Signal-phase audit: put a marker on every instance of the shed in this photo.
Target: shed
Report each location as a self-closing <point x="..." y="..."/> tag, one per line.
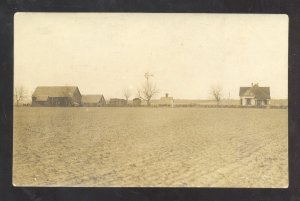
<point x="136" y="102"/>
<point x="93" y="100"/>
<point x="166" y="101"/>
<point x="117" y="102"/>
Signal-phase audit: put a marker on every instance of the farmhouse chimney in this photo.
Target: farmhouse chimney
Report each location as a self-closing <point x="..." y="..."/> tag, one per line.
<point x="167" y="95"/>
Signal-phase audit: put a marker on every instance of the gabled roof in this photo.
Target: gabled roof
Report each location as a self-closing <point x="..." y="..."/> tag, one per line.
<point x="91" y="98"/>
<point x="256" y="92"/>
<point x="55" y="91"/>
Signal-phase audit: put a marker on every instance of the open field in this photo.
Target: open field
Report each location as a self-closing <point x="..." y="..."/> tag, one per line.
<point x="220" y="147"/>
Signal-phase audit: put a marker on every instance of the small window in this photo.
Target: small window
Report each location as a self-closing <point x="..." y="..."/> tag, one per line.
<point x="248" y="101"/>
<point x="259" y="102"/>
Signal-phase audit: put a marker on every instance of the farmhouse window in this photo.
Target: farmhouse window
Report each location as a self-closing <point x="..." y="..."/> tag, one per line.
<point x="259" y="102"/>
<point x="248" y="101"/>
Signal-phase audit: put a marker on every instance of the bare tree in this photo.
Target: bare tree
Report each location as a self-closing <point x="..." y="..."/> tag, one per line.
<point x="148" y="89"/>
<point x="20" y="94"/>
<point x="216" y="92"/>
<point x="126" y="94"/>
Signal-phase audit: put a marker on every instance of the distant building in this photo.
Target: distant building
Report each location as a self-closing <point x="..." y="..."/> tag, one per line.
<point x="93" y="100"/>
<point x="254" y="96"/>
<point x="136" y="102"/>
<point x="117" y="102"/>
<point x="166" y="101"/>
<point x="56" y="96"/>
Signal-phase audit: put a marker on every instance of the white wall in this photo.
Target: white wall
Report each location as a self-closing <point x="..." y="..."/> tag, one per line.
<point x="244" y="101"/>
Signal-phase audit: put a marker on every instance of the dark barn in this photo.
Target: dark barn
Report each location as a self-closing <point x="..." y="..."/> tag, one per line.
<point x="93" y="100"/>
<point x="56" y="96"/>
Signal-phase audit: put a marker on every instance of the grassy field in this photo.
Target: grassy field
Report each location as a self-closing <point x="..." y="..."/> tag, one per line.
<point x="205" y="147"/>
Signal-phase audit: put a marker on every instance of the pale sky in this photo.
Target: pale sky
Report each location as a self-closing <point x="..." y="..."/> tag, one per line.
<point x="103" y="53"/>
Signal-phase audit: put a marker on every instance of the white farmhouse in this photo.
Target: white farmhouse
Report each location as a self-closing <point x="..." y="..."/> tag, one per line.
<point x="166" y="101"/>
<point x="255" y="95"/>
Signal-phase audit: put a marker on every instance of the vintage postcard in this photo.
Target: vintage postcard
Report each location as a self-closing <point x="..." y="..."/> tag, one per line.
<point x="150" y="100"/>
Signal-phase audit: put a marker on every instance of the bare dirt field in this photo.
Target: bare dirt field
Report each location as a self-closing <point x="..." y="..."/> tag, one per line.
<point x="176" y="147"/>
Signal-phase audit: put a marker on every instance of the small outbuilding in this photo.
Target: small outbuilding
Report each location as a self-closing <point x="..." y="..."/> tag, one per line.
<point x="117" y="102"/>
<point x="136" y="102"/>
<point x="255" y="96"/>
<point x="56" y="96"/>
<point x="166" y="101"/>
<point x="93" y="100"/>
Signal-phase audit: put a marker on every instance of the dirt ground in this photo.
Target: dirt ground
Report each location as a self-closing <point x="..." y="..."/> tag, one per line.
<point x="175" y="147"/>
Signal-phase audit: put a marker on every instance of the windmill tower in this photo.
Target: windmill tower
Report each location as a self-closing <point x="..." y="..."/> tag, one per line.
<point x="148" y="75"/>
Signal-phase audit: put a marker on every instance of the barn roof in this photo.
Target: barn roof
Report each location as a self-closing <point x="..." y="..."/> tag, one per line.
<point x="256" y="92"/>
<point x="42" y="98"/>
<point x="55" y="91"/>
<point x="91" y="98"/>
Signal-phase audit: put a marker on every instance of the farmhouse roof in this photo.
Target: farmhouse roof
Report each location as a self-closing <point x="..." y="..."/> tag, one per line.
<point x="91" y="98"/>
<point x="54" y="91"/>
<point x="255" y="91"/>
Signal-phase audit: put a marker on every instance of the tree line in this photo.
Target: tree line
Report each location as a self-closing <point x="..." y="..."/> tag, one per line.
<point x="146" y="92"/>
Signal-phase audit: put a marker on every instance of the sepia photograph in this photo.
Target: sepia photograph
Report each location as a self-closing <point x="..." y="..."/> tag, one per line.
<point x="150" y="100"/>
